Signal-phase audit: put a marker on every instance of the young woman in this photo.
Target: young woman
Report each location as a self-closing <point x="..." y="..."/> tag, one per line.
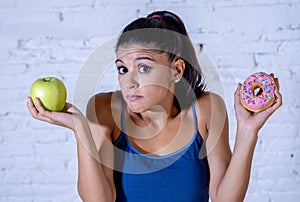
<point x="163" y="136"/>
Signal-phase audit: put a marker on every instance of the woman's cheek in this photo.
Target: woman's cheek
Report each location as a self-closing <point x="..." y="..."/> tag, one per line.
<point x="160" y="79"/>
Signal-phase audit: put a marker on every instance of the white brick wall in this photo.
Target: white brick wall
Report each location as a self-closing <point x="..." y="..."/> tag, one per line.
<point x="42" y="38"/>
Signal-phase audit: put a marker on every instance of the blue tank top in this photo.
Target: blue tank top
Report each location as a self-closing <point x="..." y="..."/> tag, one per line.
<point x="180" y="176"/>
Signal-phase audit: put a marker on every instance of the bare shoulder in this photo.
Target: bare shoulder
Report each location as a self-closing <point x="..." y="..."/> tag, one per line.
<point x="209" y="103"/>
<point x="210" y="99"/>
<point x="211" y="111"/>
<point x="98" y="104"/>
<point x="102" y="108"/>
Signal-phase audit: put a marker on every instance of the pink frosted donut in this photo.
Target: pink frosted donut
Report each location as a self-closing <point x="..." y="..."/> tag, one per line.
<point x="257" y="92"/>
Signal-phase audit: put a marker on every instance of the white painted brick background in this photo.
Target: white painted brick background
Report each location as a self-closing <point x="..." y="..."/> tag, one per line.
<point x="52" y="37"/>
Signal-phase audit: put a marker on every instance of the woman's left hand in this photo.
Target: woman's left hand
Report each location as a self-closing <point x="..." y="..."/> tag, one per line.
<point x="250" y="121"/>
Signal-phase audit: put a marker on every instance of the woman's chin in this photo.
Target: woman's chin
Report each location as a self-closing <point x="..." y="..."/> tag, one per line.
<point x="136" y="108"/>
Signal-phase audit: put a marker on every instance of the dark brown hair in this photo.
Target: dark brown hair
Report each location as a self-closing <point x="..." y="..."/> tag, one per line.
<point x="166" y="32"/>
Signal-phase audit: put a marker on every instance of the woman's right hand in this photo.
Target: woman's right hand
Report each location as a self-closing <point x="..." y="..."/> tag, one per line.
<point x="66" y="118"/>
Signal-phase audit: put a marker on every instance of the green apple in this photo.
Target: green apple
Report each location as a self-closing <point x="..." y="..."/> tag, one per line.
<point x="51" y="91"/>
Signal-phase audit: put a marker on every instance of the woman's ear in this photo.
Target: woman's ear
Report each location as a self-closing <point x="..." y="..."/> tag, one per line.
<point x="178" y="66"/>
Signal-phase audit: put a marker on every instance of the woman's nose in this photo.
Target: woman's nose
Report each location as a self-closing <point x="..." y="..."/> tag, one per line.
<point x="132" y="81"/>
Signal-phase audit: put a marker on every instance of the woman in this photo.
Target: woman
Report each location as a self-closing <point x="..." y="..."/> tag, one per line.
<point x="163" y="136"/>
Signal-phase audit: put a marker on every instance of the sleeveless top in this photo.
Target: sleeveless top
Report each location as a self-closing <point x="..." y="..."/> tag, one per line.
<point x="180" y="176"/>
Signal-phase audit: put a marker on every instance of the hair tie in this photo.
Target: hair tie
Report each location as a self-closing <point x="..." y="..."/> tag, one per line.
<point x="159" y="17"/>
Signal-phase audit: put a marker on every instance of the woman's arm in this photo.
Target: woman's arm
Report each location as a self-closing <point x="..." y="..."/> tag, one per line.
<point x="99" y="118"/>
<point x="93" y="181"/>
<point x="230" y="173"/>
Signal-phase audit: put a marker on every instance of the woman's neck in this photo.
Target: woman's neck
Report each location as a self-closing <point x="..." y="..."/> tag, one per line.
<point x="154" y="119"/>
<point x="159" y="113"/>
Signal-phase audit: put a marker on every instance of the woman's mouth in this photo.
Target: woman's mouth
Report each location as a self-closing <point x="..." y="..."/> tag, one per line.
<point x="133" y="98"/>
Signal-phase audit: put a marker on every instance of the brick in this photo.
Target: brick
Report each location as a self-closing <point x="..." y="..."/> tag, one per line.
<point x="10" y="150"/>
<point x="261" y="197"/>
<point x="285" y="196"/>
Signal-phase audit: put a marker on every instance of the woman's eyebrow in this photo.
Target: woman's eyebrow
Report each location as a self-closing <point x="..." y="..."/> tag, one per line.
<point x="118" y="60"/>
<point x="136" y="59"/>
<point x="144" y="58"/>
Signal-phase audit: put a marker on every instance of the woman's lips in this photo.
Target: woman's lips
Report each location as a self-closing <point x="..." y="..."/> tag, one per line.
<point x="133" y="98"/>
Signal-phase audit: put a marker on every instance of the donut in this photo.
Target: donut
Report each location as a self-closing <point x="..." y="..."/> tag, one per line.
<point x="258" y="92"/>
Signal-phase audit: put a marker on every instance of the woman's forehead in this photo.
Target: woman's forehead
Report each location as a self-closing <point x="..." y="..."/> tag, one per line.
<point x="135" y="50"/>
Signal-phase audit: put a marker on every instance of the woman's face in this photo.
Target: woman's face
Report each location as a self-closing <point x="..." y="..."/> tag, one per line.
<point x="146" y="77"/>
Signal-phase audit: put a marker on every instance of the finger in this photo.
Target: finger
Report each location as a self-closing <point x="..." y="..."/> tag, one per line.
<point x="275" y="80"/>
<point x="34" y="112"/>
<point x="278" y="100"/>
<point x="277" y="103"/>
<point x="40" y="107"/>
<point x="44" y="114"/>
<point x="237" y="91"/>
<point x="237" y="94"/>
<point x="69" y="108"/>
<point x="31" y="107"/>
<point x="276" y="83"/>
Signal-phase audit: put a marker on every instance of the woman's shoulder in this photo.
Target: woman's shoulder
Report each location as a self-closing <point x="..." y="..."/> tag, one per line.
<point x="99" y="101"/>
<point x="209" y="105"/>
<point x="210" y="99"/>
<point x="210" y="111"/>
<point x="103" y="106"/>
<point x="104" y="100"/>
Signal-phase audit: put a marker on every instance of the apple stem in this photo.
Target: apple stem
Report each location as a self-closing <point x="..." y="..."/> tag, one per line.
<point x="47" y="79"/>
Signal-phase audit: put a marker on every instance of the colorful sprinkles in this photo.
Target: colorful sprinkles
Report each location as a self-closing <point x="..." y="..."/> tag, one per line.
<point x="255" y="102"/>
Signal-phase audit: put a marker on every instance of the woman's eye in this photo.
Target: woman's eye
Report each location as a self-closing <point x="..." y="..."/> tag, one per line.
<point x="122" y="70"/>
<point x="144" y="68"/>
